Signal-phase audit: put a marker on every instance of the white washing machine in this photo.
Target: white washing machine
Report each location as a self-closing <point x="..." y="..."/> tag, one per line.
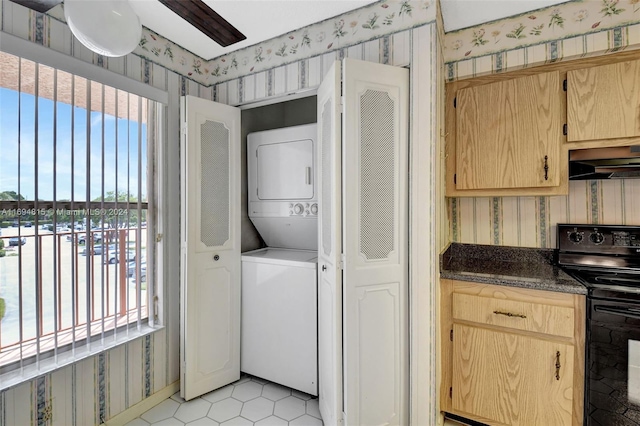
<point x="279" y="317"/>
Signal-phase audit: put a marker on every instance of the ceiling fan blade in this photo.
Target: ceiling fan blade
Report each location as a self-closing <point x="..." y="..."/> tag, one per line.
<point x="38" y="5"/>
<point x="201" y="16"/>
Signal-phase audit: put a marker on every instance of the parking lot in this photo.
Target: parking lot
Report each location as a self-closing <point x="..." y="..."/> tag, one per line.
<point x="63" y="266"/>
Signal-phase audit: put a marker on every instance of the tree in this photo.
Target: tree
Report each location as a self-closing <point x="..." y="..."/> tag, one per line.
<point x="11" y="196"/>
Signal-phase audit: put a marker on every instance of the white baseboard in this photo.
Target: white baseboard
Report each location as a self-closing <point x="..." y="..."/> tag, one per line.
<point x="141" y="407"/>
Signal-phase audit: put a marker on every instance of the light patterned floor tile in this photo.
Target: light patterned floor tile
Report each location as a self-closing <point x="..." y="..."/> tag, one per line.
<point x="247" y="391"/>
<point x="290" y="408"/>
<point x="205" y="421"/>
<point x="241" y="404"/>
<point x="306" y="420"/>
<point x="301" y="395"/>
<point x="171" y="421"/>
<point x="237" y="421"/>
<point x="313" y="409"/>
<point x="219" y="394"/>
<point x="192" y="410"/>
<point x="225" y="410"/>
<point x="257" y="409"/>
<point x="275" y="392"/>
<point x="272" y="421"/>
<point x="137" y="422"/>
<point x="164" y="410"/>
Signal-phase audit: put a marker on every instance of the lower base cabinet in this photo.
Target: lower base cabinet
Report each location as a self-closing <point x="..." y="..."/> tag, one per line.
<point x="513" y="356"/>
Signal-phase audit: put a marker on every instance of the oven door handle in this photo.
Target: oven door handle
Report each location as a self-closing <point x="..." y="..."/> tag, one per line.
<point x="624" y="312"/>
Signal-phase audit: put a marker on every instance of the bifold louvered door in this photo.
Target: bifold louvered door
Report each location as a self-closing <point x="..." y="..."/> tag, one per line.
<point x="210" y="252"/>
<point x="373" y="226"/>
<point x="330" y="248"/>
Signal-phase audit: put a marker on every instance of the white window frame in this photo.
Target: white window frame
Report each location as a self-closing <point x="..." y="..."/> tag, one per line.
<point x="38" y="365"/>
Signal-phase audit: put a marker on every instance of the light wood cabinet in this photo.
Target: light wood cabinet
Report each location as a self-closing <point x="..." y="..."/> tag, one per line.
<point x="499" y="127"/>
<point x="509" y="133"/>
<point x="512" y="356"/>
<point x="603" y="102"/>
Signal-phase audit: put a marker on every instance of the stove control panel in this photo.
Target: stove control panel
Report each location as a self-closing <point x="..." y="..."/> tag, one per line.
<point x="599" y="239"/>
<point x="626" y="239"/>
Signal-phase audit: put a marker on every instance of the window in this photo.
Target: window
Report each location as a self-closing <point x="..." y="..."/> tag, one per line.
<point x="75" y="202"/>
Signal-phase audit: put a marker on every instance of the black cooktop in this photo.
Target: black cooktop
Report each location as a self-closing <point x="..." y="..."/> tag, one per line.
<point x="604" y="258"/>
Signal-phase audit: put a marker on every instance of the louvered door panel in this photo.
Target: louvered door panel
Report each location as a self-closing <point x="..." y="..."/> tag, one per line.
<point x="375" y="243"/>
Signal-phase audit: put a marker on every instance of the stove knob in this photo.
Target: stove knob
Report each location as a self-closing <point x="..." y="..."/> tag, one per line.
<point x="596" y="237"/>
<point x="576" y="237"/>
<point x="298" y="209"/>
<point x="314" y="208"/>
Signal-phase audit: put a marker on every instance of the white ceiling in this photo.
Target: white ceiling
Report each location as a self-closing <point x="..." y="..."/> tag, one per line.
<point x="261" y="20"/>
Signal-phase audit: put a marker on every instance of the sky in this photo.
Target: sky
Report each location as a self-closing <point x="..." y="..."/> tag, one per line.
<point x="18" y="151"/>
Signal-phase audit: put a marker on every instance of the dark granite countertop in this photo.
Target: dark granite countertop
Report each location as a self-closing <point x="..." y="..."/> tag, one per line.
<point x="510" y="266"/>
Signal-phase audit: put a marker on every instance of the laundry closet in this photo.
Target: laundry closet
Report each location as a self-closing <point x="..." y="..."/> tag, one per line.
<point x="279" y="320"/>
<point x="316" y="218"/>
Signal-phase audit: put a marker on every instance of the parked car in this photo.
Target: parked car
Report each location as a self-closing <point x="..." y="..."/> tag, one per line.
<point x="131" y="270"/>
<point x="113" y="256"/>
<point x="17" y="241"/>
<point x="82" y="239"/>
<point x="27" y="224"/>
<point x="98" y="249"/>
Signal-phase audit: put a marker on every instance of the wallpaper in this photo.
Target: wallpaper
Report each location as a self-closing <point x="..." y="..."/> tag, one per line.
<point x="352" y="28"/>
<point x="559" y="22"/>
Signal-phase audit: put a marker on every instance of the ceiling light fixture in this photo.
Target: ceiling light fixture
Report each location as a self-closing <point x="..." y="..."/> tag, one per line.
<point x="107" y="27"/>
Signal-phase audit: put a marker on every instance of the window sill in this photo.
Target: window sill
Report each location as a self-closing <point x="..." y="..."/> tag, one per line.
<point x="63" y="359"/>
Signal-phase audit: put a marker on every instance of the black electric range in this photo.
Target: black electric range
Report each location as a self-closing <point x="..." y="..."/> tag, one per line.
<point x="606" y="259"/>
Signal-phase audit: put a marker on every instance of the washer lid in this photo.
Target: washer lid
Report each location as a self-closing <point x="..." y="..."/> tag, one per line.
<point x="278" y="256"/>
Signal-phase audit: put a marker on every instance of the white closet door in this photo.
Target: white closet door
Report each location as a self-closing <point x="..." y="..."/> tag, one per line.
<point x="210" y="252"/>
<point x="375" y="243"/>
<point x="330" y="249"/>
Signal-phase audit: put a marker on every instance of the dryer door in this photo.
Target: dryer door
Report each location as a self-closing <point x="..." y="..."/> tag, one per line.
<point x="285" y="170"/>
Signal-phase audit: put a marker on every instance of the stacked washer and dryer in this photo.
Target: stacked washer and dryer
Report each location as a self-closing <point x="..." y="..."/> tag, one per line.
<point x="279" y="283"/>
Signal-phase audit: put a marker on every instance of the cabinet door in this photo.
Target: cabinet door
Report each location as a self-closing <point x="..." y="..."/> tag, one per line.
<point x="604" y="102"/>
<point x="511" y="378"/>
<point x="508" y="131"/>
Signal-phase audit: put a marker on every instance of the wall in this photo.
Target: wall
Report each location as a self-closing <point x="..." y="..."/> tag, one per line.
<point x="531" y="221"/>
<point x="102" y="386"/>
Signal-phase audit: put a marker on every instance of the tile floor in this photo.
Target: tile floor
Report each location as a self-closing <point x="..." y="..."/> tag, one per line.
<point x="249" y="401"/>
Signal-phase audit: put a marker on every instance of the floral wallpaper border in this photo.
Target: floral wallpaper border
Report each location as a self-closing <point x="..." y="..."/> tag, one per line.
<point x="360" y="25"/>
<point x="577" y="17"/>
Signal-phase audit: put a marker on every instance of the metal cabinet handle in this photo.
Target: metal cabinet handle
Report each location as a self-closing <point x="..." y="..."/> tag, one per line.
<point x="324" y="268"/>
<point x="546" y="167"/>
<point x="509" y="314"/>
<point x="558" y="365"/>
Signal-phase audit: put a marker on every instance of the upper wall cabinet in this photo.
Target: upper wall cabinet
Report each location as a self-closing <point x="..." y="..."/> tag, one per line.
<point x="508" y="135"/>
<point x="603" y="102"/>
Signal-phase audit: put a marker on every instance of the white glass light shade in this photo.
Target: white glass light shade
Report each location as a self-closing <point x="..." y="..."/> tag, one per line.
<point x="107" y="27"/>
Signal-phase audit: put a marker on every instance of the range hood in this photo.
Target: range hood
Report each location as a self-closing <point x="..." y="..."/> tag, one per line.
<point x="605" y="163"/>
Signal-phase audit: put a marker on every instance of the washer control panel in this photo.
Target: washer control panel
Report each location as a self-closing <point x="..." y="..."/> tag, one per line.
<point x="303" y="209"/>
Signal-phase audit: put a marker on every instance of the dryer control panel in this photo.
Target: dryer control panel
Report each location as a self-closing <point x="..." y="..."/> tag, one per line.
<point x="303" y="209"/>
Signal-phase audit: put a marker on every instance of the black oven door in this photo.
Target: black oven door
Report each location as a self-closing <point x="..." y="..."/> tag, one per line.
<point x="613" y="363"/>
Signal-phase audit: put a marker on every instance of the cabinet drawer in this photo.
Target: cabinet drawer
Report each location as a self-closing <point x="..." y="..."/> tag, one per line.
<point x="528" y="316"/>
